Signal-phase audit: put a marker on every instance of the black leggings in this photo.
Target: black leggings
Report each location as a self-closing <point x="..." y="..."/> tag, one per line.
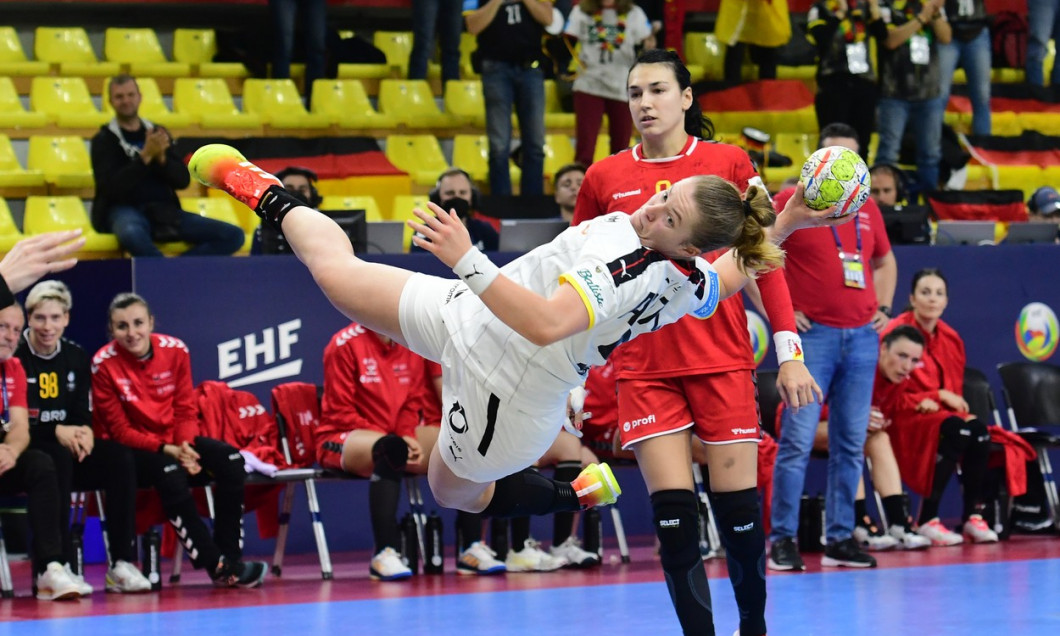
<point x="109" y="468"/>
<point x="223" y="465"/>
<point x="34" y="474"/>
<point x="967" y="444"/>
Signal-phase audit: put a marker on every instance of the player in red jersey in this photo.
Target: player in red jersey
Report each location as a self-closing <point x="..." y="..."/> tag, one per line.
<point x="694" y="374"/>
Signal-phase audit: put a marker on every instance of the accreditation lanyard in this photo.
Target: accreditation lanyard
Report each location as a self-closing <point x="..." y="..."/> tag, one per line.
<point x="853" y="267"/>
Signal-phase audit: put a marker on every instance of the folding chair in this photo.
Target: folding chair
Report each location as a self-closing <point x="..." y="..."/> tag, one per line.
<point x="1032" y="395"/>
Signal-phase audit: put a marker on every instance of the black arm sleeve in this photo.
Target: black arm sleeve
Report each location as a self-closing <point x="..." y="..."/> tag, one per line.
<point x="6" y="297"/>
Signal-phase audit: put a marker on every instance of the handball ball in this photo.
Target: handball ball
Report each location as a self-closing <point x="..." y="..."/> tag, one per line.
<point x="835" y="176"/>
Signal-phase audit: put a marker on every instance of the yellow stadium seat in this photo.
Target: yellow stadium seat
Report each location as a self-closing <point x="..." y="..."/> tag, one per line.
<point x="9" y="234"/>
<point x="13" y="59"/>
<point x="468" y="44"/>
<point x="704" y="51"/>
<point x="464" y="102"/>
<point x="70" y="50"/>
<point x="402" y="211"/>
<point x="554" y="115"/>
<point x="12" y="175"/>
<point x="418" y="155"/>
<point x="345" y="102"/>
<point x="12" y="114"/>
<point x="471" y="154"/>
<point x="207" y="101"/>
<point x="152" y="105"/>
<point x="65" y="101"/>
<point x="197" y="47"/>
<point x="139" y="52"/>
<point x="411" y="103"/>
<point x="397" y="46"/>
<point x="50" y="214"/>
<point x="278" y="104"/>
<point x="366" y="203"/>
<point x="559" y="151"/>
<point x="63" y="160"/>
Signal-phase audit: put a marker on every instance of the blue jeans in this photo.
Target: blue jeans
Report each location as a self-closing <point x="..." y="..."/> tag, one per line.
<point x="314" y="28"/>
<point x="209" y="237"/>
<point x="843" y="361"/>
<point x="925" y="116"/>
<point x="505" y="85"/>
<point x="447" y="16"/>
<point x="974" y="58"/>
<point x="1043" y="18"/>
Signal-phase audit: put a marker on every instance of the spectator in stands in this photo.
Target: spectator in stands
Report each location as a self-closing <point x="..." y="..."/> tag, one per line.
<point x="1043" y="22"/>
<point x="761" y="24"/>
<point x="454" y="190"/>
<point x="371" y="425"/>
<point x="61" y="426"/>
<point x="969" y="49"/>
<point x="1044" y="205"/>
<point x="509" y="57"/>
<point x="138" y="172"/>
<point x="910" y="85"/>
<point x="846" y="77"/>
<point x="565" y="185"/>
<point x="427" y="16"/>
<point x="142" y="398"/>
<point x="840" y="305"/>
<point x="932" y="429"/>
<point x="30" y="471"/>
<point x="887" y="184"/>
<point x="609" y="32"/>
<point x="314" y="22"/>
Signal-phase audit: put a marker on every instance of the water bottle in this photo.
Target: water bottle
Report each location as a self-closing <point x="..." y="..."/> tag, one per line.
<point x="78" y="566"/>
<point x="150" y="563"/>
<point x="433" y="545"/>
<point x="410" y="545"/>
<point x="592" y="532"/>
<point x="499" y="537"/>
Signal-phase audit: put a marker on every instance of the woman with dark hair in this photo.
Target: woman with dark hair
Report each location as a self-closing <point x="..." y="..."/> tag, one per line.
<point x="142" y="398"/>
<point x="932" y="431"/>
<point x="667" y="392"/>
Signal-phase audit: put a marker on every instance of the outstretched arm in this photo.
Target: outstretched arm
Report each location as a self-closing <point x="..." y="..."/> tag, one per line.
<point x="36" y="256"/>
<point x="540" y="320"/>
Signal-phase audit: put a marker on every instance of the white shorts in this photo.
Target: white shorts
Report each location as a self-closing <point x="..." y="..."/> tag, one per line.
<point x="482" y="437"/>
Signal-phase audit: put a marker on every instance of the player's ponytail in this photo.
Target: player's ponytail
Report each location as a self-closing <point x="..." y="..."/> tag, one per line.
<point x="727" y="220"/>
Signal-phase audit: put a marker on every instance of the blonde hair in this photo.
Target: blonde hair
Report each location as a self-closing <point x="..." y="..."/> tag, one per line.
<point x="49" y="290"/>
<point x="729" y="220"/>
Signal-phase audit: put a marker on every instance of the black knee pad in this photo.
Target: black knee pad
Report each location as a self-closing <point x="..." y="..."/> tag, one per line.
<point x="676" y="514"/>
<point x="390" y="454"/>
<point x="738" y="512"/>
<point x="954" y="437"/>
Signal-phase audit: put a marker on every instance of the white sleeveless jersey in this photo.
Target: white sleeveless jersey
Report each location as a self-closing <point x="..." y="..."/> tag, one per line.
<point x="627" y="289"/>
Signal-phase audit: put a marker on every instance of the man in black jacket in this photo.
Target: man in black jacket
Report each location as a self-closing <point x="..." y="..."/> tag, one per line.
<point x="137" y="175"/>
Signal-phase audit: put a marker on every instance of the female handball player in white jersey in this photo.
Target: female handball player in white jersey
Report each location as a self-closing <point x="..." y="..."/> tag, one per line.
<point x="513" y="343"/>
<point x="706" y="386"/>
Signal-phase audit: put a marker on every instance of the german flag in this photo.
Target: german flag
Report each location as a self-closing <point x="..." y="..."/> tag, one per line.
<point x="329" y="157"/>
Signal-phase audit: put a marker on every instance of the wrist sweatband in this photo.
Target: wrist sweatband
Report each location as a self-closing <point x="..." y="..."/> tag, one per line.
<point x="789" y="346"/>
<point x="476" y="270"/>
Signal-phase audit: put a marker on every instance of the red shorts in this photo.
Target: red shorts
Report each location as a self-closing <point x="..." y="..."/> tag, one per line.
<point x="600" y="439"/>
<point x="329" y="450"/>
<point x="721" y="407"/>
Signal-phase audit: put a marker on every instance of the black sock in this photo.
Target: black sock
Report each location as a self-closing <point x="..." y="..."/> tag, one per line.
<point x="468" y="529"/>
<point x="530" y="493"/>
<point x="383" y="495"/>
<point x="897" y="515"/>
<point x="739" y="518"/>
<point x="520" y="532"/>
<point x="930" y="507"/>
<point x="563" y="522"/>
<point x="974" y="468"/>
<point x="274" y="204"/>
<point x="676" y="514"/>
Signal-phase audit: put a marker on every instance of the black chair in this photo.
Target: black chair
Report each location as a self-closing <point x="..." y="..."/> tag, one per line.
<point x="980" y="397"/>
<point x="1032" y="395"/>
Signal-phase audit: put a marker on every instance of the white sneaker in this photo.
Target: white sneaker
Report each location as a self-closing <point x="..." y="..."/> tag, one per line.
<point x="83" y="587"/>
<point x="576" y="557"/>
<point x="978" y="531"/>
<point x="479" y="559"/>
<point x="55" y="584"/>
<point x="875" y="542"/>
<point x="388" y="566"/>
<point x="124" y="577"/>
<point x="533" y="559"/>
<point x="939" y="534"/>
<point x="908" y="540"/>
